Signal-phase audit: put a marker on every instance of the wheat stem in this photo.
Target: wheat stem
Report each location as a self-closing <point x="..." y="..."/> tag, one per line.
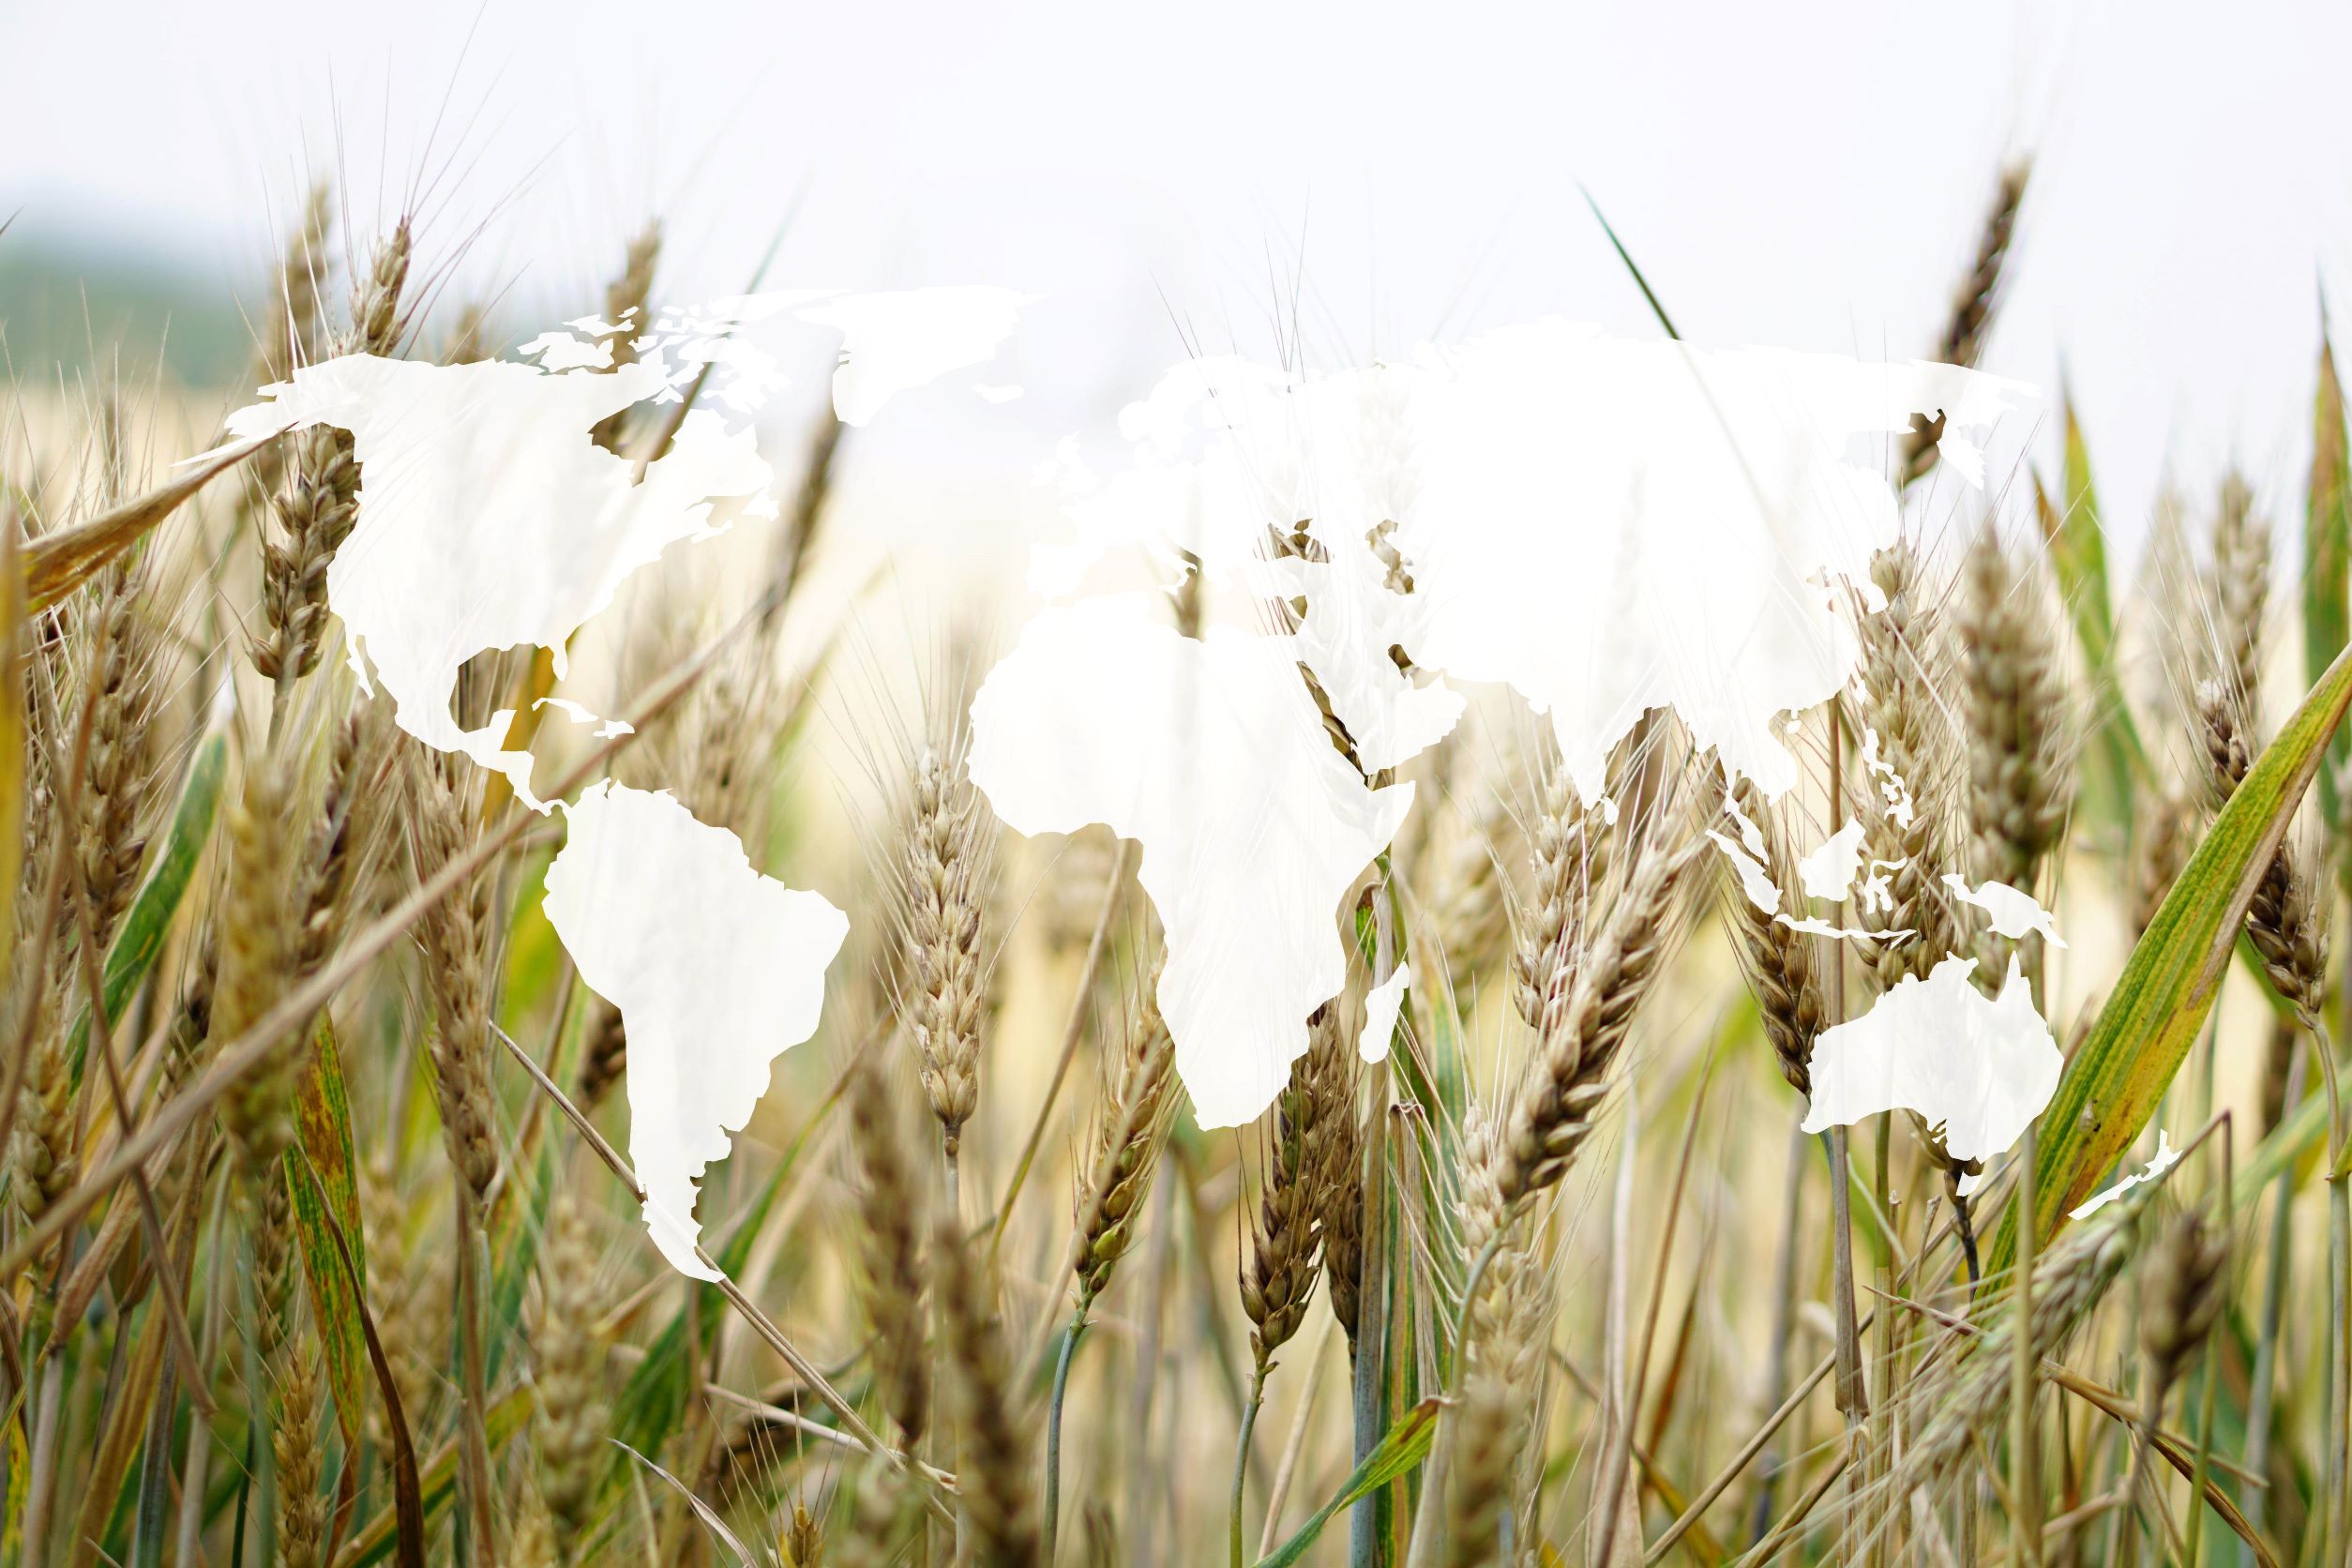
<point x="2025" y="1464"/>
<point x="807" y="1370"/>
<point x="1294" y="1447"/>
<point x="1053" y="1433"/>
<point x="1783" y="1319"/>
<point x="1367" y="1345"/>
<point x="473" y="1307"/>
<point x="2278" y="1276"/>
<point x="41" y="1486"/>
<point x="1241" y="1466"/>
<point x="2336" y="1510"/>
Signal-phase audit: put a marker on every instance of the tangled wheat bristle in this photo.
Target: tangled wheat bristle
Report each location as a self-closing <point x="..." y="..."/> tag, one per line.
<point x="1964" y="1396"/>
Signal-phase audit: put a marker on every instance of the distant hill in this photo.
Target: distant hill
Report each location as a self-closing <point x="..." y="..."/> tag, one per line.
<point x="60" y="298"/>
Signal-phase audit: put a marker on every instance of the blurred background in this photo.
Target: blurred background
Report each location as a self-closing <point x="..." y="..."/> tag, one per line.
<point x="1328" y="183"/>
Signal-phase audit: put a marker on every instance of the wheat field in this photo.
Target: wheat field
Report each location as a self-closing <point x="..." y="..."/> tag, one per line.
<point x="320" y="1246"/>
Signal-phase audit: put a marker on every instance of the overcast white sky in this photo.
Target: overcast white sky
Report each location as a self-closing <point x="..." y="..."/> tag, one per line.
<point x="1809" y="177"/>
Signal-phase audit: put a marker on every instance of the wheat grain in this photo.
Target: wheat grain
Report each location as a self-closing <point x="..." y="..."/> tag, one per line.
<point x="1579" y="1048"/>
<point x="567" y="1374"/>
<point x="1974" y="304"/>
<point x="943" y="883"/>
<point x="624" y="301"/>
<point x="1782" y="967"/>
<point x="1131" y="1126"/>
<point x="2018" y="778"/>
<point x="1903" y="658"/>
<point x="456" y="935"/>
<point x="319" y="502"/>
<point x="257" y="953"/>
<point x="997" y="1506"/>
<point x="1501" y="1355"/>
<point x="893" y="1208"/>
<point x="294" y="1448"/>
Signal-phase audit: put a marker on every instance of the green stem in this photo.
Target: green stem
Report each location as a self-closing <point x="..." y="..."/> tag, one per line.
<point x="42" y="1485"/>
<point x="155" y="1464"/>
<point x="2025" y="1467"/>
<point x="953" y="1178"/>
<point x="473" y="1436"/>
<point x="1369" y="1401"/>
<point x="1784" y="1329"/>
<point x="1241" y="1466"/>
<point x="1851" y="1401"/>
<point x="1053" y="1430"/>
<point x="199" y="1438"/>
<point x="1850" y="1397"/>
<point x="2209" y="1373"/>
<point x="1369" y="1388"/>
<point x="2336" y="1507"/>
<point x="2278" y="1275"/>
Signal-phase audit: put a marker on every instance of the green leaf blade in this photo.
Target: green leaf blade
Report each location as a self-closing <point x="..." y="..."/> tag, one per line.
<point x="2072" y="532"/>
<point x="322" y="1116"/>
<point x="2327" y="551"/>
<point x="2113" y="1082"/>
<point x="1406" y="1445"/>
